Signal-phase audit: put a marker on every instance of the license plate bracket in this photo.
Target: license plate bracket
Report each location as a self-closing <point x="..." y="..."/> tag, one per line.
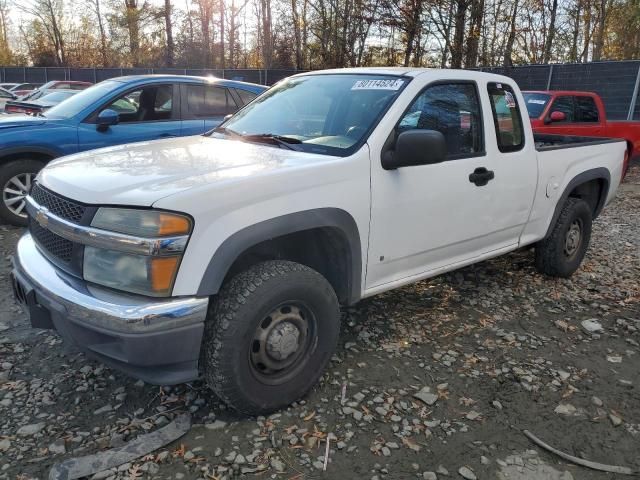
<point x="25" y="295"/>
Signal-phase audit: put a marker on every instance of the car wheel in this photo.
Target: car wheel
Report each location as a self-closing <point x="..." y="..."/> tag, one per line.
<point x="16" y="178"/>
<point x="562" y="252"/>
<point x="269" y="336"/>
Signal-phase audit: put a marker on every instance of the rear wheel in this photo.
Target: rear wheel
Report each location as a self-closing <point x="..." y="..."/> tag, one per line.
<point x="269" y="336"/>
<point x="16" y="178"/>
<point x="562" y="252"/>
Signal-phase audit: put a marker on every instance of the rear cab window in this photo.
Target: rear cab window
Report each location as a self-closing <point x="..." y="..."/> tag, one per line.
<point x="506" y="117"/>
<point x="586" y="110"/>
<point x="208" y="101"/>
<point x="245" y="95"/>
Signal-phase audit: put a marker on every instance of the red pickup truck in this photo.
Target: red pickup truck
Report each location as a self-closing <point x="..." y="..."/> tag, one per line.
<point x="581" y="114"/>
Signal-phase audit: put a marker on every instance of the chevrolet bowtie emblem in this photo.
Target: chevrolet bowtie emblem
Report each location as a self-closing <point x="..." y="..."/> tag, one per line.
<point x="42" y="217"/>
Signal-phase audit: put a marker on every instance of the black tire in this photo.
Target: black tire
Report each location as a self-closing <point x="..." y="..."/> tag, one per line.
<point x="9" y="171"/>
<point x="251" y="313"/>
<point x="559" y="255"/>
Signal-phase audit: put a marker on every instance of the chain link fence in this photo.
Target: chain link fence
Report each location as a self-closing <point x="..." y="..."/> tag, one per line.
<point x="616" y="82"/>
<point x="46" y="74"/>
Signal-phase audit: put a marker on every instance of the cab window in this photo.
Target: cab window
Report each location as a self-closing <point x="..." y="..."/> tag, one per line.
<point x="565" y="105"/>
<point x="245" y="95"/>
<point x="506" y="117"/>
<point x="148" y="104"/>
<point x="208" y="101"/>
<point x="452" y="109"/>
<point x="586" y="110"/>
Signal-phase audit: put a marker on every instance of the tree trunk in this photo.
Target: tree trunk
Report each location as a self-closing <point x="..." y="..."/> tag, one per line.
<point x="473" y="40"/>
<point x="552" y="33"/>
<point x="134" y="30"/>
<point x="573" y="53"/>
<point x="296" y="33"/>
<point x="587" y="32"/>
<point x="508" y="62"/>
<point x="598" y="44"/>
<point x="168" y="26"/>
<point x="222" y="54"/>
<point x="267" y="34"/>
<point x="458" y="38"/>
<point x="104" y="53"/>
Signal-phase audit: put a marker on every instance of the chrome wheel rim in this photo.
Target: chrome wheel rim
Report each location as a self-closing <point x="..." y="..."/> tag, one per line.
<point x="281" y="343"/>
<point x="15" y="191"/>
<point x="573" y="239"/>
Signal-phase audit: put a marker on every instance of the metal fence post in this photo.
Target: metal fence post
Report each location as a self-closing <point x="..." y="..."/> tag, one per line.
<point x="549" y="78"/>
<point x="634" y="96"/>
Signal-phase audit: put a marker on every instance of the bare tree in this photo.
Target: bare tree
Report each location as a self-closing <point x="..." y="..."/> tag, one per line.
<point x="458" y="38"/>
<point x="551" y="33"/>
<point x="51" y="14"/>
<point x="169" y="32"/>
<point x="508" y="50"/>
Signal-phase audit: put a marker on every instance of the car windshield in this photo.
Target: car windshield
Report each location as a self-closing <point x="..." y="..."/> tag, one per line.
<point x="74" y="105"/>
<point x="327" y="113"/>
<point x="535" y="103"/>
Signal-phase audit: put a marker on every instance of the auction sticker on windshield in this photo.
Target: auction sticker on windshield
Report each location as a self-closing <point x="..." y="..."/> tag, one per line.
<point x="386" y="84"/>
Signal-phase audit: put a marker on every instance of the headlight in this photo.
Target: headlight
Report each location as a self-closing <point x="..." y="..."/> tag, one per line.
<point x="141" y="223"/>
<point x="147" y="274"/>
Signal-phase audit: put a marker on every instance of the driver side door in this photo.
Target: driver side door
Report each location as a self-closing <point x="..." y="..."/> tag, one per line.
<point x="428" y="218"/>
<point x="148" y="112"/>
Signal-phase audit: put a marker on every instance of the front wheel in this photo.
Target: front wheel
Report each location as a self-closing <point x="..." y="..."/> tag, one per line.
<point x="16" y="178"/>
<point x="561" y="254"/>
<point x="269" y="336"/>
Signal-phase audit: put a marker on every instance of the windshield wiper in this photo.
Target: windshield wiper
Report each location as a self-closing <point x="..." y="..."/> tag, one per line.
<point x="279" y="140"/>
<point x="225" y="131"/>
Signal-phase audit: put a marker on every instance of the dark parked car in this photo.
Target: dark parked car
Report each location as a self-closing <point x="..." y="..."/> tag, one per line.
<point x="50" y="98"/>
<point x="113" y="112"/>
<point x="55" y="85"/>
<point x="24" y="88"/>
<point x="5" y="96"/>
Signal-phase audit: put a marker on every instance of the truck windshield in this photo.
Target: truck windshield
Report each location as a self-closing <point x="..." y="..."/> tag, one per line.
<point x="74" y="105"/>
<point x="329" y="113"/>
<point x="535" y="103"/>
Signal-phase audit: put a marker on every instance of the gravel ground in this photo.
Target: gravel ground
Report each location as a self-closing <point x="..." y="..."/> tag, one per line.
<point x="435" y="380"/>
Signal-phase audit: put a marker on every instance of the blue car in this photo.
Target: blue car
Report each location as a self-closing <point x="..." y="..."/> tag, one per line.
<point x="120" y="110"/>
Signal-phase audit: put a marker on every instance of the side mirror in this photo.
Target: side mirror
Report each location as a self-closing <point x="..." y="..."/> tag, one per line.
<point x="227" y="117"/>
<point x="416" y="147"/>
<point x="106" y="118"/>
<point x="557" y="116"/>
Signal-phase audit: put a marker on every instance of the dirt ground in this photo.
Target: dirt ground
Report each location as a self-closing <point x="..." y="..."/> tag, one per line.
<point x="490" y="350"/>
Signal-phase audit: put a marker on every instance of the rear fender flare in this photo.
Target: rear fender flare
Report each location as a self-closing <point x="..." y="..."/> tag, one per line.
<point x="600" y="173"/>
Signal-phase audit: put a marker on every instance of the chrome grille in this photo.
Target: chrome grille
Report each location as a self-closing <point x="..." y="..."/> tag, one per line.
<point x="57" y="246"/>
<point x="57" y="205"/>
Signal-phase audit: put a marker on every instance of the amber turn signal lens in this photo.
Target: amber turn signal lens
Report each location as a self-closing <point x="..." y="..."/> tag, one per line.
<point x="163" y="271"/>
<point x="173" y="225"/>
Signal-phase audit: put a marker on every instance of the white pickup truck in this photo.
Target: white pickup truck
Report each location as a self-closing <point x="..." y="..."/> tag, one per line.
<point x="227" y="256"/>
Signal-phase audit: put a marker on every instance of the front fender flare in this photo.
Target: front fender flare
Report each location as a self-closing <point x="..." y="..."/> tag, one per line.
<point x="239" y="242"/>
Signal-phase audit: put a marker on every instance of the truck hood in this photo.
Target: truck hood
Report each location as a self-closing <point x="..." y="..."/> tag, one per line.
<point x="140" y="174"/>
<point x="11" y="121"/>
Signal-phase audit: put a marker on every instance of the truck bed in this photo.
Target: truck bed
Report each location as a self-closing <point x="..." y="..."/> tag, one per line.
<point x="545" y="142"/>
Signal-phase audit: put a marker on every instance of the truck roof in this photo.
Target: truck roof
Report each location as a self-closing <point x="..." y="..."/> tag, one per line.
<point x="410" y="71"/>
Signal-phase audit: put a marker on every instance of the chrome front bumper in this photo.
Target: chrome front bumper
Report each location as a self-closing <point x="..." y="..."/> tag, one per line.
<point x="157" y="340"/>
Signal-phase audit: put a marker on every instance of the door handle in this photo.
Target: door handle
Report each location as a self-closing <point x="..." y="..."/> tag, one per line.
<point x="481" y="176"/>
